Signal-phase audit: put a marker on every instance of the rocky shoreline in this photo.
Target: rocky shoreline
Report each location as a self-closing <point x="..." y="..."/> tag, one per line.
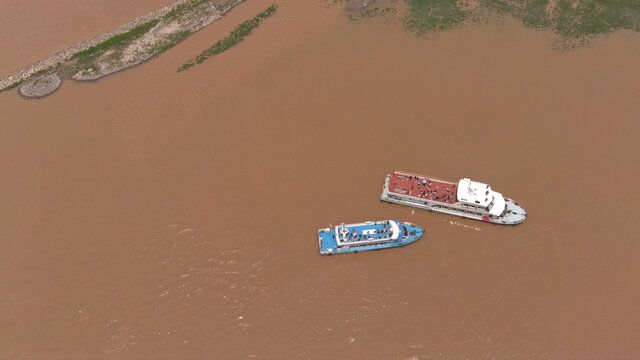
<point x="171" y="24"/>
<point x="65" y="55"/>
<point x="41" y="87"/>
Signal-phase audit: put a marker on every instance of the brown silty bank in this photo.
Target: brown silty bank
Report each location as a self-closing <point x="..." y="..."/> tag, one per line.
<point x="161" y="215"/>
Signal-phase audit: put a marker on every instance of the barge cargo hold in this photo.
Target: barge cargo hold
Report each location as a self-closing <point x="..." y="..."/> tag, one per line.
<point x="368" y="235"/>
<point x="466" y="198"/>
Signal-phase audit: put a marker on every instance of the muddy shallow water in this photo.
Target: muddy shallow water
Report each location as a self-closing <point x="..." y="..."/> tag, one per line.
<point x="161" y="215"/>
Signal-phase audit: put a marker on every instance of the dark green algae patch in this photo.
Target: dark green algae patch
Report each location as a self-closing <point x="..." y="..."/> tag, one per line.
<point x="574" y="21"/>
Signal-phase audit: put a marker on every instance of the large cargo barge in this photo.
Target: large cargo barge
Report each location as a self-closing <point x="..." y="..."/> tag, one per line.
<point x="370" y="235"/>
<point x="466" y="198"/>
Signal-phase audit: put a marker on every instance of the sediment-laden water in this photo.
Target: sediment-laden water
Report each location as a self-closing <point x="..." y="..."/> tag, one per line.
<point x="153" y="214"/>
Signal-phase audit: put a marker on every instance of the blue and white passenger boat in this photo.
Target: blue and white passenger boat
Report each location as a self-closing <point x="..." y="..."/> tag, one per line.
<point x="368" y="235"/>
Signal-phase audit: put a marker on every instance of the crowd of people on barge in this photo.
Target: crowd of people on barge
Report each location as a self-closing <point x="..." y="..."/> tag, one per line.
<point x="425" y="190"/>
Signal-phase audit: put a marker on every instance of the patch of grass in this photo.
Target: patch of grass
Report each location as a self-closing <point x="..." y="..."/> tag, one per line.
<point x="234" y="3"/>
<point x="172" y="40"/>
<point x="42" y="72"/>
<point x="330" y="3"/>
<point x="573" y="20"/>
<point x="531" y="12"/>
<point x="370" y="13"/>
<point x="183" y="8"/>
<point x="87" y="56"/>
<point x="424" y="16"/>
<point x="592" y="17"/>
<point x="14" y="85"/>
<point x="49" y="70"/>
<point x="236" y="36"/>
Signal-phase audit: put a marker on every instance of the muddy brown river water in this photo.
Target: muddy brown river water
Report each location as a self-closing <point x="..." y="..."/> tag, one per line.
<point x="161" y="215"/>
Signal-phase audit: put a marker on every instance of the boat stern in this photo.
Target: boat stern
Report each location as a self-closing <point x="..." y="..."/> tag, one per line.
<point x="384" y="195"/>
<point x="327" y="241"/>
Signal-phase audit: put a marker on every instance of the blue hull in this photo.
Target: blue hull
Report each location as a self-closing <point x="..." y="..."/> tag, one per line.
<point x="367" y="236"/>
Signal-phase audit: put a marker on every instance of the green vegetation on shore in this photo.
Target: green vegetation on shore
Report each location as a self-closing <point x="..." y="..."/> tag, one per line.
<point x="183" y="8"/>
<point x="13" y="85"/>
<point x="49" y="70"/>
<point x="433" y="15"/>
<point x="117" y="42"/>
<point x="139" y="44"/>
<point x="369" y="13"/>
<point x="236" y="36"/>
<point x="191" y="5"/>
<point x="233" y="4"/>
<point x="574" y="21"/>
<point x="169" y="42"/>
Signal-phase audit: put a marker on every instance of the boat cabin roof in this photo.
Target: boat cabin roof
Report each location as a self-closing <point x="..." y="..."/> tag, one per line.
<point x="367" y="233"/>
<point x="473" y="192"/>
<point x="477" y="193"/>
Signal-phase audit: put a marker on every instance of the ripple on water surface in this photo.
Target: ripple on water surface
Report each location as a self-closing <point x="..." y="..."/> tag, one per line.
<point x="189" y="288"/>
